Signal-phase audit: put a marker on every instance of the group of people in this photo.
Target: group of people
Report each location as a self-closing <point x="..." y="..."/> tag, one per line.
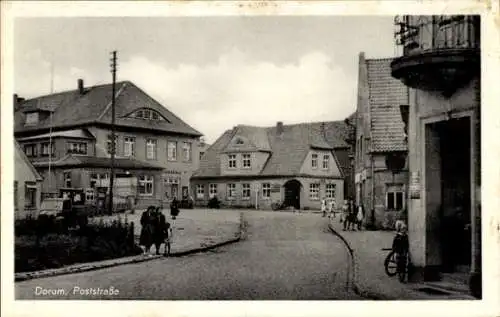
<point x="155" y="230"/>
<point x="351" y="215"/>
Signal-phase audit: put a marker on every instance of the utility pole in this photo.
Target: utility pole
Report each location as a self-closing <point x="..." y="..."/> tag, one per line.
<point x="113" y="148"/>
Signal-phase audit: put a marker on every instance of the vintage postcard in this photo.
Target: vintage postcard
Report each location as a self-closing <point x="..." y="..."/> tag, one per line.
<point x="241" y="158"/>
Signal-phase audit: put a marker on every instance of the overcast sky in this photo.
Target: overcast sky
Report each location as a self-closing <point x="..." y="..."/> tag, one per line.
<point x="213" y="72"/>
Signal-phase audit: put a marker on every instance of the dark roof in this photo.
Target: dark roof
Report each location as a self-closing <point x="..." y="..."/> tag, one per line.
<point x="288" y="150"/>
<point x="386" y="95"/>
<point x="100" y="162"/>
<point x="71" y="108"/>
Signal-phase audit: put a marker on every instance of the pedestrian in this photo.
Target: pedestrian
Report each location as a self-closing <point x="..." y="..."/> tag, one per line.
<point x="147" y="229"/>
<point x="330" y="208"/>
<point x="174" y="208"/>
<point x="360" y="216"/>
<point x="351" y="221"/>
<point x="345" y="214"/>
<point x="323" y="207"/>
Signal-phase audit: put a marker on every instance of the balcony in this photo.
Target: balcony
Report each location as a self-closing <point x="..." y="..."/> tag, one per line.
<point x="440" y="53"/>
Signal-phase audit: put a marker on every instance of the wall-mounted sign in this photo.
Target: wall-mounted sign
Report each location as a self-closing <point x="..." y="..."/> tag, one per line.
<point x="415" y="185"/>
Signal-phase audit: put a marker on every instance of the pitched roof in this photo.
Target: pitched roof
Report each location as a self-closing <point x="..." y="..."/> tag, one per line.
<point x="102" y="162"/>
<point x="287" y="150"/>
<point x="27" y="161"/>
<point x="385" y="96"/>
<point x="77" y="133"/>
<point x="71" y="108"/>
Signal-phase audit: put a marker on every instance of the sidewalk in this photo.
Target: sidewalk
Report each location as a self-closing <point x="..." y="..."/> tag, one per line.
<point x="195" y="230"/>
<point x="370" y="279"/>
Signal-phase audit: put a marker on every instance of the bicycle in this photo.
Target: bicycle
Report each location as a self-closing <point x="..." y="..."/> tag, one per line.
<point x="396" y="263"/>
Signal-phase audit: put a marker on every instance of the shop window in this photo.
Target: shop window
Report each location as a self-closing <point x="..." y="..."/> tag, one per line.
<point x="146" y="185"/>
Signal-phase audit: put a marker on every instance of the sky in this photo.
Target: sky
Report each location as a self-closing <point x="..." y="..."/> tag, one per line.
<point x="212" y="72"/>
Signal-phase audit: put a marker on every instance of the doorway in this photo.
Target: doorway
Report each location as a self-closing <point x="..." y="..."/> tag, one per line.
<point x="448" y="164"/>
<point x="292" y="193"/>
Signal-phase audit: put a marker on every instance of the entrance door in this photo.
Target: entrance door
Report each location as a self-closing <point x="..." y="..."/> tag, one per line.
<point x="455" y="145"/>
<point x="292" y="193"/>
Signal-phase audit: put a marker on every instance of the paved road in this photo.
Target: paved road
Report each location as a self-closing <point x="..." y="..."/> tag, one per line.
<point x="285" y="256"/>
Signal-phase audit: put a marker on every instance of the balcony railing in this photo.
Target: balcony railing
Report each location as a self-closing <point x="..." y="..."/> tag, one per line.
<point x="420" y="34"/>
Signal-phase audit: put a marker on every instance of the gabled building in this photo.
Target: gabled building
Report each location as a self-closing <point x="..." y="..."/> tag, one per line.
<point x="67" y="137"/>
<point x="441" y="64"/>
<point x="381" y="171"/>
<point x="27" y="186"/>
<point x="252" y="166"/>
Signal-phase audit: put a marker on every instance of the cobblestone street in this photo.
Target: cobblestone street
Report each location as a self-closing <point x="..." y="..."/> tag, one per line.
<point x="284" y="256"/>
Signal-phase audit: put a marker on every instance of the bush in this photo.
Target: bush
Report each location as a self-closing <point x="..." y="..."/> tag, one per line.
<point x="214" y="203"/>
<point x="95" y="242"/>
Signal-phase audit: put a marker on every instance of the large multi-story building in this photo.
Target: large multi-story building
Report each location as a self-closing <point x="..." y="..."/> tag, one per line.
<point x="440" y="63"/>
<point x="254" y="166"/>
<point x="381" y="175"/>
<point x="67" y="137"/>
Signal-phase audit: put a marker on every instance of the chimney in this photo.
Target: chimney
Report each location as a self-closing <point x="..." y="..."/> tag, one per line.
<point x="279" y="128"/>
<point x="80" y="86"/>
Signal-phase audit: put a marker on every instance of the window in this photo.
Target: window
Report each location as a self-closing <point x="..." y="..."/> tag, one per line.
<point x="48" y="149"/>
<point x="314" y="160"/>
<point x="232" y="160"/>
<point x="212" y="190"/>
<point x="148" y="114"/>
<point x="31" y="118"/>
<point x="200" y="191"/>
<point x="99" y="180"/>
<point x="31" y="150"/>
<point x="246" y="191"/>
<point x="77" y="148"/>
<point x="186" y="151"/>
<point x="330" y="191"/>
<point x="89" y="195"/>
<point x="67" y="179"/>
<point x="30" y="195"/>
<point x="314" y="191"/>
<point x="15" y="195"/>
<point x="266" y="190"/>
<point x="146" y="183"/>
<point x="326" y="161"/>
<point x="231" y="191"/>
<point x="129" y="146"/>
<point x="172" y="151"/>
<point x="109" y="144"/>
<point x="151" y="149"/>
<point x="395" y="200"/>
<point x="247" y="163"/>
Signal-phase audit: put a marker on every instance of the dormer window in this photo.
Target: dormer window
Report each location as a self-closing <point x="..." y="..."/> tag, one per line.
<point x="32" y="118"/>
<point x="239" y="141"/>
<point x="148" y="114"/>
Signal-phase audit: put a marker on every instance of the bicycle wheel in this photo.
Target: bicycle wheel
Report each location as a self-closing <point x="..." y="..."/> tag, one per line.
<point x="391" y="268"/>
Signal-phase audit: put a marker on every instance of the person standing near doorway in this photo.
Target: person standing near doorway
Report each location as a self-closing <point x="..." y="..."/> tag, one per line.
<point x="323" y="206"/>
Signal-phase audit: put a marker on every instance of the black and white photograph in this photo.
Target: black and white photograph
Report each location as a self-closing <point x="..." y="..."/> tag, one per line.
<point x="236" y="157"/>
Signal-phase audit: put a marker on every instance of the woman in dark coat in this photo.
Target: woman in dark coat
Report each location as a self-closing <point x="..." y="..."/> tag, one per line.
<point x="147" y="230"/>
<point x="160" y="232"/>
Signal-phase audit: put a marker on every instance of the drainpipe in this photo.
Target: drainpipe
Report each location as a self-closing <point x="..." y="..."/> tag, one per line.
<point x="373" y="191"/>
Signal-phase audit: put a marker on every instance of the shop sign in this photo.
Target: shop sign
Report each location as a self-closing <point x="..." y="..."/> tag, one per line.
<point x="415" y="185"/>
